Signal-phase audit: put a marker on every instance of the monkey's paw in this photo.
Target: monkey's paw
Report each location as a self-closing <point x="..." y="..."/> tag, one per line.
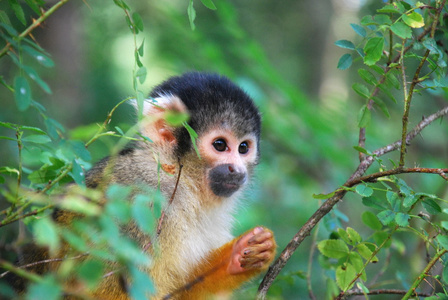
<point x="254" y="250"/>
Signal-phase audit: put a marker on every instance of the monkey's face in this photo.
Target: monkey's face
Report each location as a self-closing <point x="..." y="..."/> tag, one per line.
<point x="228" y="160"/>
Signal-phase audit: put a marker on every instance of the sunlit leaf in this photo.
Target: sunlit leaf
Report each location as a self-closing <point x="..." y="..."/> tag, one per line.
<point x="333" y="248"/>
<point x="373" y="50"/>
<point x="344" y="276"/>
<point x="402" y="30"/>
<point x="414" y="20"/>
<point x="191" y="14"/>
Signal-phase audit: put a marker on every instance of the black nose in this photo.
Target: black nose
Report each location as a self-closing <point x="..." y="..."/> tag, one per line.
<point x="226" y="179"/>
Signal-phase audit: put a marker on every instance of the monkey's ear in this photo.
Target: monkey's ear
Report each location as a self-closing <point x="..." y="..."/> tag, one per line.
<point x="155" y="112"/>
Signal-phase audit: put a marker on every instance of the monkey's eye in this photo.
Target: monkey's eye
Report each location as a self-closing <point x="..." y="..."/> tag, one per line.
<point x="220" y="145"/>
<point x="243" y="148"/>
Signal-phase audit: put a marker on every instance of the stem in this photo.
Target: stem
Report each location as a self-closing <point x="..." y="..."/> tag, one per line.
<point x="374" y="253"/>
<point x="34" y="25"/>
<point x="424" y="273"/>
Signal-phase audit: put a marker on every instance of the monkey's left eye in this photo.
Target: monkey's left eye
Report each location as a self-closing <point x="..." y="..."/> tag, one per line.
<point x="243" y="148"/>
<point x="220" y="145"/>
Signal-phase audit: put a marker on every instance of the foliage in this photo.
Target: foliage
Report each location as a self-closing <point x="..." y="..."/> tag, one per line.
<point x="400" y="53"/>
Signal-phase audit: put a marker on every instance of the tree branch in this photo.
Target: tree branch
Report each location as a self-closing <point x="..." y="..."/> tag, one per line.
<point x="328" y="205"/>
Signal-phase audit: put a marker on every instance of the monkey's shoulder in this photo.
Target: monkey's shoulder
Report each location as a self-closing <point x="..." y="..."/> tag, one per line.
<point x="130" y="166"/>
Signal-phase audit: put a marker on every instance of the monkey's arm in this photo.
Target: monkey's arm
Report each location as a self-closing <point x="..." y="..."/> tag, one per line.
<point x="227" y="267"/>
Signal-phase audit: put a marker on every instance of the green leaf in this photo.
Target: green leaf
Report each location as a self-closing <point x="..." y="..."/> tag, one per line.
<point x="443" y="241"/>
<point x="344" y="276"/>
<point x="367" y="76"/>
<point x="402" y="30"/>
<point x="90" y="272"/>
<point x="47" y="289"/>
<point x="409" y="200"/>
<point x="138" y="22"/>
<point x="323" y="196"/>
<point x="359" y="29"/>
<point x="75" y="240"/>
<point x="364" y="117"/>
<point x="344" y="236"/>
<point x="38" y="139"/>
<point x="333" y="248"/>
<point x="191" y="14"/>
<point x="402" y="219"/>
<point x="371" y="220"/>
<point x="34" y="76"/>
<point x="42" y="58"/>
<point x="176" y="118"/>
<point x="366" y="251"/>
<point x="362" y="150"/>
<point x="431" y="206"/>
<point x="193" y="137"/>
<point x="414" y="20"/>
<point x="394" y="200"/>
<point x="390" y="8"/>
<point x="345" y="62"/>
<point x="356" y="261"/>
<point x="141" y="74"/>
<point x="345" y="44"/>
<point x="31" y="128"/>
<point x="142" y="213"/>
<point x="141" y="48"/>
<point x="373" y="50"/>
<point x="364" y="190"/>
<point x="22" y="93"/>
<point x="46" y="234"/>
<point x="382" y="106"/>
<point x="18" y="11"/>
<point x="209" y="4"/>
<point x="361" y="90"/>
<point x="380" y="236"/>
<point x="373" y="202"/>
<point x="353" y="235"/>
<point x="141" y="284"/>
<point x="386" y="217"/>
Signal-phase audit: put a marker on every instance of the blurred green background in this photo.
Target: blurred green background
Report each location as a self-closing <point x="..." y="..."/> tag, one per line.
<point x="283" y="54"/>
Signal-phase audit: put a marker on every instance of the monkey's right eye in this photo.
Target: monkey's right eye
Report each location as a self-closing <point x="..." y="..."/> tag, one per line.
<point x="220" y="145"/>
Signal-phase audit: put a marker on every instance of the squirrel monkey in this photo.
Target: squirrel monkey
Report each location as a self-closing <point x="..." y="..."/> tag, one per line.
<point x="195" y="255"/>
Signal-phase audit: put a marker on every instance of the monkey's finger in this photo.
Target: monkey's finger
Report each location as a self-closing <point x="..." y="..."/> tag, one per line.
<point x="260" y="237"/>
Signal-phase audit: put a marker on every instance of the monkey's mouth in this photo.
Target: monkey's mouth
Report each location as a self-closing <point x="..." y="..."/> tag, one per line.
<point x="224" y="189"/>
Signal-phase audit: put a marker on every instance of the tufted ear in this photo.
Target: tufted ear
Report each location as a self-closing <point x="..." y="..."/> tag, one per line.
<point x="155" y="112"/>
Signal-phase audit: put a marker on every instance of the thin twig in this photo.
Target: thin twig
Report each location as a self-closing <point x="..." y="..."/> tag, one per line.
<point x="162" y="215"/>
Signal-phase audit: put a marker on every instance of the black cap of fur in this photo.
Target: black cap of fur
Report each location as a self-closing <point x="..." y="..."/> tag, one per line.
<point x="212" y="101"/>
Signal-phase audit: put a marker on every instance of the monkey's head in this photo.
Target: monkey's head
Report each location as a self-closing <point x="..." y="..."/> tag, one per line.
<point x="224" y="117"/>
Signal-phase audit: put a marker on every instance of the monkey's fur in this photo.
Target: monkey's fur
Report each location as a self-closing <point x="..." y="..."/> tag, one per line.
<point x="195" y="255"/>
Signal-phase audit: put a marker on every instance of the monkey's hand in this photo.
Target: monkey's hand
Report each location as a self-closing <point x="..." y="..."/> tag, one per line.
<point x="254" y="250"/>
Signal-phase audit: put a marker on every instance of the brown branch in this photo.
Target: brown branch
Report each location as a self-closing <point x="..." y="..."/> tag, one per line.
<point x="328" y="205"/>
<point x="382" y="292"/>
<point x="162" y="215"/>
<point x="45" y="261"/>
